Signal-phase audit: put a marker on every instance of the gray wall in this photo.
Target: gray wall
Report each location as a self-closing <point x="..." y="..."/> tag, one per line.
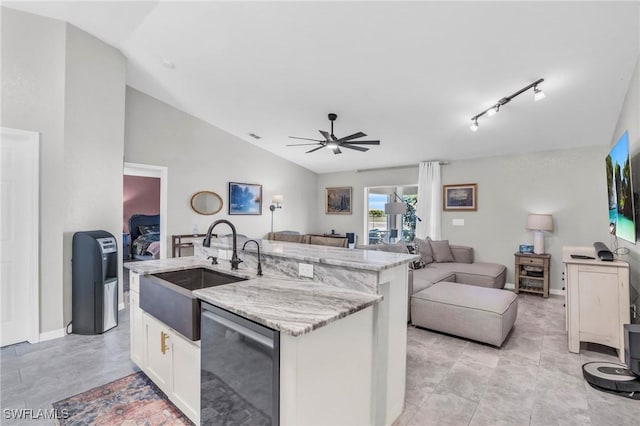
<point x="94" y="143"/>
<point x="569" y="184"/>
<point x="630" y="120"/>
<point x="201" y="157"/>
<point x="80" y="118"/>
<point x="358" y="181"/>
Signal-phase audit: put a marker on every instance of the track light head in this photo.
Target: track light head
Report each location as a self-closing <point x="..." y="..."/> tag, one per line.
<point x="538" y="94"/>
<point x="474" y="125"/>
<point x="492" y="111"/>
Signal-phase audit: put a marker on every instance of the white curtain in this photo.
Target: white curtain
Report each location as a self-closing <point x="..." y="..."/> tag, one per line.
<point x="429" y="206"/>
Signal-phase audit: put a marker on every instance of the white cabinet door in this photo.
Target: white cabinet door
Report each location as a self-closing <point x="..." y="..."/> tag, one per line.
<point x="157" y="363"/>
<point x="186" y="376"/>
<point x="137" y="338"/>
<point x="598" y="305"/>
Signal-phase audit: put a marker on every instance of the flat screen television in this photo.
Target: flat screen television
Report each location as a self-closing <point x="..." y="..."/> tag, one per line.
<point x="620" y="191"/>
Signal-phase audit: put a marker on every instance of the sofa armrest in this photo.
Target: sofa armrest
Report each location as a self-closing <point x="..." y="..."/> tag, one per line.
<point x="462" y="254"/>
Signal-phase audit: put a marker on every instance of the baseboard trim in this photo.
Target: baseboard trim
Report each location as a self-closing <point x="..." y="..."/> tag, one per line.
<point x="53" y="334"/>
<point x="554" y="291"/>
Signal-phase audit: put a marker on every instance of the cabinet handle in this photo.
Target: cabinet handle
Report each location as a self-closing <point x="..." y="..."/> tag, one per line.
<point x="163" y="342"/>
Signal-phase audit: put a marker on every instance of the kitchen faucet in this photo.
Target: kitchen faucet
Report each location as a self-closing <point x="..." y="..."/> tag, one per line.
<point x="235" y="260"/>
<point x="257" y="245"/>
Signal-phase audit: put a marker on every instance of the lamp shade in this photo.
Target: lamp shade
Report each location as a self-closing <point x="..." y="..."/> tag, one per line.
<point x="540" y="222"/>
<point x="395" y="208"/>
<point x="277" y="199"/>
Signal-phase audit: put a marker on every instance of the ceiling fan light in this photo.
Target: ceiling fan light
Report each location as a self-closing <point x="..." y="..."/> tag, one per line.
<point x="332" y="145"/>
<point x="538" y="94"/>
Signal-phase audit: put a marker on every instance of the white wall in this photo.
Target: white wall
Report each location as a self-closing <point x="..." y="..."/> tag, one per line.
<point x="201" y="157"/>
<point x="569" y="184"/>
<point x="354" y="222"/>
<point x="69" y="86"/>
<point x="33" y="67"/>
<point x="94" y="143"/>
<point x="630" y="120"/>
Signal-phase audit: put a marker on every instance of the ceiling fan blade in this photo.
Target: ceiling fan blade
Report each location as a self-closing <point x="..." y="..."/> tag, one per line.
<point x="353" y="136"/>
<point x="303" y="144"/>
<point x="337" y="151"/>
<point x="305" y="139"/>
<point x="364" y="142"/>
<point x="315" y="149"/>
<point x="326" y="135"/>
<point x="357" y="148"/>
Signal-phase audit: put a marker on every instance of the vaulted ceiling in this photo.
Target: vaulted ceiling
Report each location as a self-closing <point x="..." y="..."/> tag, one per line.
<point x="411" y="74"/>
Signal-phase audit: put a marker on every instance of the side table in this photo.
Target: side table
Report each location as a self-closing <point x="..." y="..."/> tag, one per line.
<point x="532" y="273"/>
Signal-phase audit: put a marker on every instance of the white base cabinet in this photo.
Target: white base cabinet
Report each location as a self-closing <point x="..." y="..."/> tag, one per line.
<point x="597" y="300"/>
<point x="170" y="360"/>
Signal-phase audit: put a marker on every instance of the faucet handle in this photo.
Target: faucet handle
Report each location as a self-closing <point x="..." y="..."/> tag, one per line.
<point x="214" y="260"/>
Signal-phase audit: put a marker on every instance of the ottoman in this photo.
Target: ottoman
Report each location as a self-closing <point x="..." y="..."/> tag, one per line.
<point x="478" y="313"/>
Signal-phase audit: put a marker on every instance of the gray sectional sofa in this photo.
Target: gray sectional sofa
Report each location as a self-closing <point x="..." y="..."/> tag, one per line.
<point x="451" y="293"/>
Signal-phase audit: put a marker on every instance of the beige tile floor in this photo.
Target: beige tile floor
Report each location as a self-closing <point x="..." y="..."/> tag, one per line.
<point x="531" y="380"/>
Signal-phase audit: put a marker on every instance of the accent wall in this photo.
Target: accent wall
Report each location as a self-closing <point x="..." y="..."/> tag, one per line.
<point x="141" y="195"/>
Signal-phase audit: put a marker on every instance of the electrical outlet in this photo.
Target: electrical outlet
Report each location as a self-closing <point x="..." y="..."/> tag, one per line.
<point x="634" y="311"/>
<point x="305" y="270"/>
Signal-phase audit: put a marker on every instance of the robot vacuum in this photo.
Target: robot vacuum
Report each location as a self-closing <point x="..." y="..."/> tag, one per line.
<point x="612" y="378"/>
<point x="618" y="379"/>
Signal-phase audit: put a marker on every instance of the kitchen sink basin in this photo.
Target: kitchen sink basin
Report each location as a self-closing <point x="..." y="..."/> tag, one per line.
<point x="197" y="278"/>
<point x="168" y="296"/>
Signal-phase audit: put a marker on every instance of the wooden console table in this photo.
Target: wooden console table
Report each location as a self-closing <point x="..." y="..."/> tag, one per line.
<point x="180" y="242"/>
<point x="597" y="299"/>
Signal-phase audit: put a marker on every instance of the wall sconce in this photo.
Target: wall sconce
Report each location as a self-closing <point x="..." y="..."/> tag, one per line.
<point x="539" y="223"/>
<point x="276" y="203"/>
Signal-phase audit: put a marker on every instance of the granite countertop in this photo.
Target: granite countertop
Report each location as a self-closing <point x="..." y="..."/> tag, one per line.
<point x="351" y="258"/>
<point x="294" y="307"/>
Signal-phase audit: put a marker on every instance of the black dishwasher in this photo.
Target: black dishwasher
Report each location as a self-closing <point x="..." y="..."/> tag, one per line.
<point x="240" y="370"/>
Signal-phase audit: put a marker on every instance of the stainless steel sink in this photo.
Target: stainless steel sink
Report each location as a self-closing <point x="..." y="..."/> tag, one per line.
<point x="168" y="296"/>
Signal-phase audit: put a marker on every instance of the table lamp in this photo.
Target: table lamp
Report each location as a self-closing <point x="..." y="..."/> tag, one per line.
<point x="539" y="223"/>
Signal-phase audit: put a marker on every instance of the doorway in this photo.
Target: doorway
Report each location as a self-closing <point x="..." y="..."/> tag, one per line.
<point x="19" y="233"/>
<point x="159" y="172"/>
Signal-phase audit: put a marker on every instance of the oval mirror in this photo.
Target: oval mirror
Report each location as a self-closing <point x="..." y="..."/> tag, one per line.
<point x="206" y="202"/>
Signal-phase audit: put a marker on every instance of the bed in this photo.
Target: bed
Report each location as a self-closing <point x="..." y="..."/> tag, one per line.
<point x="145" y="236"/>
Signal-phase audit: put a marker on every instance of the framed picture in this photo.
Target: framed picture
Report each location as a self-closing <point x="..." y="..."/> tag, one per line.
<point x="463" y="197"/>
<point x="337" y="200"/>
<point x="245" y="198"/>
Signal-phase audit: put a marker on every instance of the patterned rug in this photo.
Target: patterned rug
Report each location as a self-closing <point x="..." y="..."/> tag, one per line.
<point x="131" y="400"/>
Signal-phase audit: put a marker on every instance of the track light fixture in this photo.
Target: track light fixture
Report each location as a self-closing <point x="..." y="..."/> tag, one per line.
<point x="538" y="94"/>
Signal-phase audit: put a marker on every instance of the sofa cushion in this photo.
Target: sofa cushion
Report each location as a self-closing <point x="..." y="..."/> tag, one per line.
<point x="424" y="249"/>
<point x="430" y="274"/>
<point x="441" y="251"/>
<point x="481" y="274"/>
<point x="398" y="247"/>
<point x="462" y="254"/>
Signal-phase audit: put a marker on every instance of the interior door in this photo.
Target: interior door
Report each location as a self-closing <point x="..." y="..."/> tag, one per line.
<point x="19" y="260"/>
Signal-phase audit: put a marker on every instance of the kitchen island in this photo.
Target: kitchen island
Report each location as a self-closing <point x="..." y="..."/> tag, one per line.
<point x="342" y="331"/>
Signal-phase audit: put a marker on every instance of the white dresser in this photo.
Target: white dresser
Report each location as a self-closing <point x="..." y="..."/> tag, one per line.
<point x="597" y="299"/>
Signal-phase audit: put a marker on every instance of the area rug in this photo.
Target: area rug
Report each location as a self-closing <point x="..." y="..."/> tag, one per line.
<point x="131" y="400"/>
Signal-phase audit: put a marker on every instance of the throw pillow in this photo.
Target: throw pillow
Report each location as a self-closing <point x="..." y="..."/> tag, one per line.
<point x="441" y="251"/>
<point x="424" y="250"/>
<point x="146" y="229"/>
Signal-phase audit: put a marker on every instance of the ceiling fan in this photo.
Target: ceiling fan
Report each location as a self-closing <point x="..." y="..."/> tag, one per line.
<point x="332" y="142"/>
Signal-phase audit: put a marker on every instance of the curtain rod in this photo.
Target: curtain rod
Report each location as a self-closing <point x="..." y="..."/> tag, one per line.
<point x="406" y="166"/>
